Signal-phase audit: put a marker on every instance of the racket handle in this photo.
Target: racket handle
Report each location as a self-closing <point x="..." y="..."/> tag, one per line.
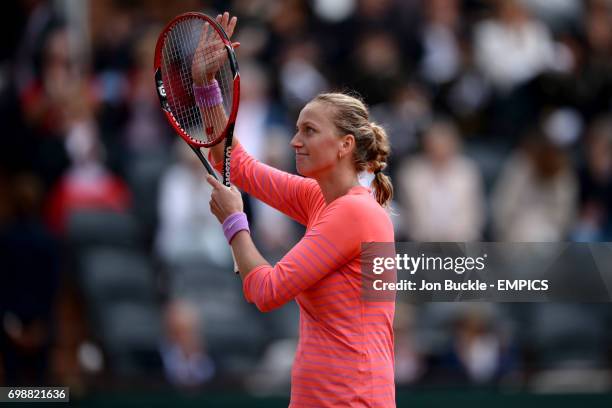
<point x="210" y="170"/>
<point x="236" y="271"/>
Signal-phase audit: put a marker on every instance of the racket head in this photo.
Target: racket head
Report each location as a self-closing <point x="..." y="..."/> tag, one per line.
<point x="175" y="52"/>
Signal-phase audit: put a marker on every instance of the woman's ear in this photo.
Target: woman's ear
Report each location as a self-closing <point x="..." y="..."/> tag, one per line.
<point x="347" y="145"/>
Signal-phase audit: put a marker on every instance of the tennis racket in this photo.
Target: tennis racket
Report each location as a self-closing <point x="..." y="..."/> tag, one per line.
<point x="198" y="84"/>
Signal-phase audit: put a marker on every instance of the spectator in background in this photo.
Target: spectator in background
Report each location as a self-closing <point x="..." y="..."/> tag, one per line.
<point x="595" y="207"/>
<point x="441" y="60"/>
<point x="146" y="130"/>
<point x="594" y="83"/>
<point x="447" y="67"/>
<point x="407" y="112"/>
<point x="398" y="18"/>
<point x="51" y="100"/>
<point x="187" y="229"/>
<point x="535" y="197"/>
<point x="409" y="363"/>
<point x="377" y="66"/>
<point x="560" y="15"/>
<point x="33" y="27"/>
<point x="48" y="99"/>
<point x="87" y="184"/>
<point x="441" y="190"/>
<point x="30" y="279"/>
<point x="111" y="60"/>
<point x="300" y="78"/>
<point x="258" y="116"/>
<point x="183" y="352"/>
<point x="511" y="48"/>
<point x="586" y="83"/>
<point x="480" y="349"/>
<point x="288" y="22"/>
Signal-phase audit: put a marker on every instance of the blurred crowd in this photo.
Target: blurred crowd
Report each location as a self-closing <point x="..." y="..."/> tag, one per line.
<point x="500" y="119"/>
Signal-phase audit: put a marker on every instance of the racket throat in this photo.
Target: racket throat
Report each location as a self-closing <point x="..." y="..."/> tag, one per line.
<point x="227" y="155"/>
<point x="207" y="165"/>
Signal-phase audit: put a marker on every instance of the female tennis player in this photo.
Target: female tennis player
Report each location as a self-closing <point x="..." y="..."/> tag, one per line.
<point x="345" y="351"/>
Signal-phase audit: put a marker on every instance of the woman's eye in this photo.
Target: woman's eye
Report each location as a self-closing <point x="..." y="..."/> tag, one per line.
<point x="306" y="129"/>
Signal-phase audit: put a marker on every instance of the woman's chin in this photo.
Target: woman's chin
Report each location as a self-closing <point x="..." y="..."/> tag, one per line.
<point x="301" y="169"/>
<point x="302" y="173"/>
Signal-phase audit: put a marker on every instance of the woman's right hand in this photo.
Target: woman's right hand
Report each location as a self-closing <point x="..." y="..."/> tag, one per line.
<point x="211" y="54"/>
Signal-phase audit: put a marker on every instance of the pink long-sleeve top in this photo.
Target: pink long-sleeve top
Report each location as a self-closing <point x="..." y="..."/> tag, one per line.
<point x="345" y="354"/>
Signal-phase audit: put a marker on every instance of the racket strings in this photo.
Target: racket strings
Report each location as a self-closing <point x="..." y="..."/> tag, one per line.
<point x="214" y="54"/>
<point x="176" y="78"/>
<point x="188" y="42"/>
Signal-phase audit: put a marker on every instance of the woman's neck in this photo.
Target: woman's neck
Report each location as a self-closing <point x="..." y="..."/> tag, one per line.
<point x="337" y="183"/>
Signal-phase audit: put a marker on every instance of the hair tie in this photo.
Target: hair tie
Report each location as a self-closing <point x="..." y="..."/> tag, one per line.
<point x="383" y="166"/>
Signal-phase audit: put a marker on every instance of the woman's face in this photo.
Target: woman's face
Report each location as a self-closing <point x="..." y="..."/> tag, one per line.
<point x="316" y="142"/>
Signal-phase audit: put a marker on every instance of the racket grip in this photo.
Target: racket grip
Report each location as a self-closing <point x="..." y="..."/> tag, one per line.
<point x="236" y="271"/>
<point x="232" y="225"/>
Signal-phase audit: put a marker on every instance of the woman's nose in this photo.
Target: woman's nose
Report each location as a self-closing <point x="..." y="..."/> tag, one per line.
<point x="296" y="142"/>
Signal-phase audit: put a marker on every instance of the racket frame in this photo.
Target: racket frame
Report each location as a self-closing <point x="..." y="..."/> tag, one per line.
<point x="228" y="132"/>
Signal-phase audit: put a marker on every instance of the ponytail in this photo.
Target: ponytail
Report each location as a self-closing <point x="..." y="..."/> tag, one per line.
<point x="383" y="188"/>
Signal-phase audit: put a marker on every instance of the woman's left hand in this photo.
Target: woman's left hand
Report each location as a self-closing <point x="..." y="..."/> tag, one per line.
<point x="211" y="54"/>
<point x="224" y="201"/>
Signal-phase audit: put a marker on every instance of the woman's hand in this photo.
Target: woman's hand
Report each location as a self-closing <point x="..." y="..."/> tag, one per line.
<point x="224" y="201"/>
<point x="211" y="53"/>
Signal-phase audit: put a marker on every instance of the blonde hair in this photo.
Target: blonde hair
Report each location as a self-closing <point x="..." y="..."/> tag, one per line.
<point x="372" y="148"/>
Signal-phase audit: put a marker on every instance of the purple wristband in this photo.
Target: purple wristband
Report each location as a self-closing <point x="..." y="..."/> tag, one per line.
<point x="207" y="96"/>
<point x="233" y="224"/>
